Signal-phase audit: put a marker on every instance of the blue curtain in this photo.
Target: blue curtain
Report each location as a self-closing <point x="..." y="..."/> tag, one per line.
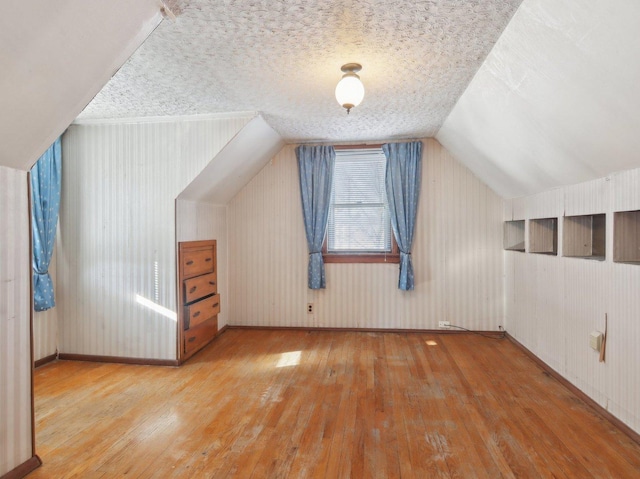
<point x="45" y="203"/>
<point x="404" y="167"/>
<point x="315" y="165"/>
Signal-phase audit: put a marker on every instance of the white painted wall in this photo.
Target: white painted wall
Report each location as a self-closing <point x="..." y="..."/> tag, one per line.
<point x="237" y="163"/>
<point x="195" y="221"/>
<point x="457" y="257"/>
<point x="553" y="303"/>
<point x="42" y="43"/>
<point x="117" y="229"/>
<point x="15" y="333"/>
<point x="556" y="102"/>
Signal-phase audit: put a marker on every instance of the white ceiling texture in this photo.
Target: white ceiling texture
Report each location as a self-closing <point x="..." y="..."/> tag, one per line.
<point x="54" y="58"/>
<point x="529" y="97"/>
<point x="283" y="58"/>
<point x="556" y="102"/>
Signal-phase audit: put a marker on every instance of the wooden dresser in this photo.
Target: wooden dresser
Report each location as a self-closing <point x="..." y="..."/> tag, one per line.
<point x="198" y="298"/>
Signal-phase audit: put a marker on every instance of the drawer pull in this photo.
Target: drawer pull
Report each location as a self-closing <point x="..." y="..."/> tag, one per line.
<point x="193" y="289"/>
<point x="191" y="339"/>
<point x="190" y="262"/>
<point x="216" y="305"/>
<point x="196" y="314"/>
<point x="208" y="259"/>
<point x="212" y="283"/>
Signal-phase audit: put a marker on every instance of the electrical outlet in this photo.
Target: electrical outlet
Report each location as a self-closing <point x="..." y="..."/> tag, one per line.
<point x="310" y="308"/>
<point x="444" y="324"/>
<point x="595" y="340"/>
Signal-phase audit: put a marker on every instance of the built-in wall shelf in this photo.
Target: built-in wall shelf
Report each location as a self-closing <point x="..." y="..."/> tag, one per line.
<point x="514" y="235"/>
<point x="543" y="236"/>
<point x="626" y="237"/>
<point x="584" y="236"/>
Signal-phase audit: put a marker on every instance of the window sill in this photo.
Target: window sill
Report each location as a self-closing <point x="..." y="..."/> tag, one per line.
<point x="392" y="258"/>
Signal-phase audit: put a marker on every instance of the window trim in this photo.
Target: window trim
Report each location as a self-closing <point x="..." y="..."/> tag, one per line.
<point x="353" y="257"/>
<point x="392" y="257"/>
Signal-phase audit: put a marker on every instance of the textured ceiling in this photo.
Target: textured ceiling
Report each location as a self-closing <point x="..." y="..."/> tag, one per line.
<point x="283" y="58"/>
<point x="556" y="102"/>
<point x="41" y="43"/>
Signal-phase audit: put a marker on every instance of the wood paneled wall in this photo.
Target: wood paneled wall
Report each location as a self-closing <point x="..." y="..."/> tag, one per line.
<point x="15" y="315"/>
<point x="457" y="257"/>
<point x="117" y="230"/>
<point x="554" y="302"/>
<point x="195" y="221"/>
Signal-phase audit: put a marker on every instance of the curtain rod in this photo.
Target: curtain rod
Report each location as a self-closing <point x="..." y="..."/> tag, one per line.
<point x="357" y="147"/>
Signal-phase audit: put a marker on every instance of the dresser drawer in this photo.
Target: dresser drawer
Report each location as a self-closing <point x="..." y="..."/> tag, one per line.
<point x="195" y="338"/>
<point x="195" y="262"/>
<point x="198" y="296"/>
<point x="199" y="312"/>
<point x="199" y="287"/>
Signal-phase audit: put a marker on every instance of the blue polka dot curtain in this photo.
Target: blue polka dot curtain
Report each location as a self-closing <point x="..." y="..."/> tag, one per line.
<point x="45" y="204"/>
<point x="403" y="177"/>
<point x="315" y="165"/>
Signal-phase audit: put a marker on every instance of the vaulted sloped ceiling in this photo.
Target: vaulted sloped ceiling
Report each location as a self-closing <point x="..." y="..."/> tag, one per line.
<point x="54" y="57"/>
<point x="283" y="58"/>
<point x="556" y="102"/>
<point x="235" y="165"/>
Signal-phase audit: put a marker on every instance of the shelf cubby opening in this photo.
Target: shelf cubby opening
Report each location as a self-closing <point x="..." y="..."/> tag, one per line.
<point x="514" y="235"/>
<point x="584" y="236"/>
<point x="626" y="237"/>
<point x="543" y="236"/>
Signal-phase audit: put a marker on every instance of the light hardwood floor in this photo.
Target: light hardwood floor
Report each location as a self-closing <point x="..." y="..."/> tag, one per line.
<point x="271" y="404"/>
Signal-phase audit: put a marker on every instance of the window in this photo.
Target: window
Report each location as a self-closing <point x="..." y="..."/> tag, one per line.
<point x="359" y="225"/>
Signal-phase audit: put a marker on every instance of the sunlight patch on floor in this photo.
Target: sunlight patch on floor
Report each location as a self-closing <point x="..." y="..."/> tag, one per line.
<point x="291" y="358"/>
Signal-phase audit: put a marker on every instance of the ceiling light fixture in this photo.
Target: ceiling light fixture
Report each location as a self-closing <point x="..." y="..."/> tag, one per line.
<point x="350" y="90"/>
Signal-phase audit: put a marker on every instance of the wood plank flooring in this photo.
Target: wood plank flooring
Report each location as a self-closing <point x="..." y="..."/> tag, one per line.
<point x="295" y="404"/>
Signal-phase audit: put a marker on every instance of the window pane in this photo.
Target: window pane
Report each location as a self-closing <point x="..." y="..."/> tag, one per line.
<point x="359" y="181"/>
<point x="359" y="214"/>
<point x="361" y="229"/>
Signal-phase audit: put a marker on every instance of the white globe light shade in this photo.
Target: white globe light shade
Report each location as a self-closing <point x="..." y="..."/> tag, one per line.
<point x="349" y="90"/>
